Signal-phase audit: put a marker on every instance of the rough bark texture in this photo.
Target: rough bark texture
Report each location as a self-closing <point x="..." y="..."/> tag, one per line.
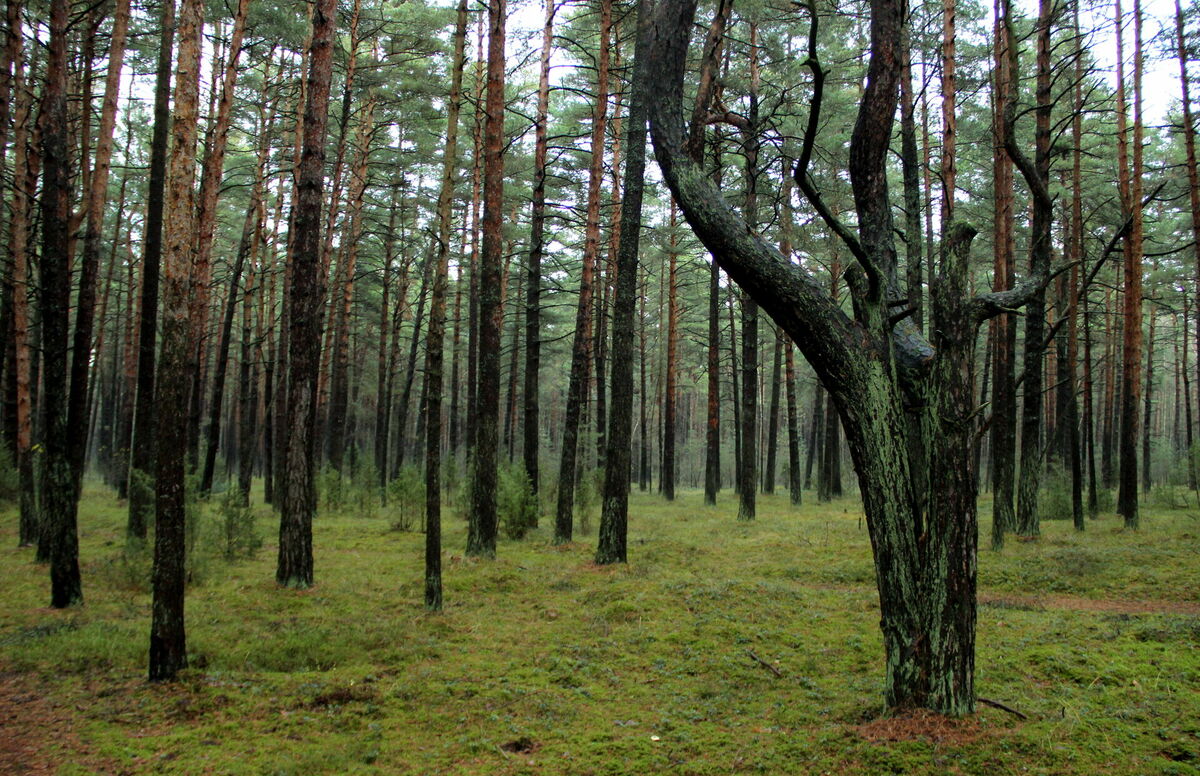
<point x="25" y="179"/>
<point x="481" y="533"/>
<point x="168" y="642"/>
<point x="97" y="196"/>
<point x="1036" y="173"/>
<point x="307" y="294"/>
<point x="142" y="445"/>
<point x="614" y="515"/>
<point x="577" y="388"/>
<point x="925" y="578"/>
<point x="1004" y="406"/>
<point x="434" y="343"/>
<point x="670" y="386"/>
<point x="1131" y="346"/>
<point x="1189" y="140"/>
<point x="59" y="536"/>
<point x="533" y="274"/>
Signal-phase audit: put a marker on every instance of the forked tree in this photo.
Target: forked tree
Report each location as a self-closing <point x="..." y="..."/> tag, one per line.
<point x="870" y="361"/>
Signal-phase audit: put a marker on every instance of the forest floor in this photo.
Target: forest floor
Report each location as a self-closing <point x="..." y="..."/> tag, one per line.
<point x="721" y="648"/>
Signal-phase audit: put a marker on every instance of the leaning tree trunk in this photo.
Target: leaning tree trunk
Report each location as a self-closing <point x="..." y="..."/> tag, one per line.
<point x="925" y="585"/>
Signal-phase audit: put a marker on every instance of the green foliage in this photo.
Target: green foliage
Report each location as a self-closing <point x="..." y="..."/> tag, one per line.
<point x="1054" y="500"/>
<point x="331" y="490"/>
<point x="9" y="480"/>
<point x="516" y="501"/>
<point x="239" y="522"/>
<point x="141" y="489"/>
<point x="129" y="569"/>
<point x="356" y="491"/>
<point x="587" y="499"/>
<point x="406" y="499"/>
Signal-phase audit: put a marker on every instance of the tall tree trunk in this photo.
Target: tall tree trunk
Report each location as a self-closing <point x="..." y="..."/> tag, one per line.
<point x="671" y="388"/>
<point x="712" y="428"/>
<point x="1004" y="401"/>
<point x="1036" y="174"/>
<point x="60" y="539"/>
<point x="533" y="277"/>
<point x="247" y="389"/>
<point x="206" y="218"/>
<point x="814" y="439"/>
<point x="1147" y="399"/>
<point x="434" y="349"/>
<point x="1075" y="451"/>
<point x="773" y="417"/>
<point x="748" y="485"/>
<point x="614" y="516"/>
<point x="577" y="388"/>
<point x="795" y="483"/>
<point x="910" y="166"/>
<point x="401" y="447"/>
<point x="1189" y="140"/>
<point x="1131" y="347"/>
<point x="481" y="537"/>
<point x="168" y="642"/>
<point x="97" y="196"/>
<point x="24" y="183"/>
<point x="340" y="378"/>
<point x="643" y="424"/>
<point x="142" y="445"/>
<point x="307" y="294"/>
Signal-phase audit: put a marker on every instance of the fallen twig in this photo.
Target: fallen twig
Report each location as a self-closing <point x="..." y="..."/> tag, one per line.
<point x="1001" y="706"/>
<point x="765" y="664"/>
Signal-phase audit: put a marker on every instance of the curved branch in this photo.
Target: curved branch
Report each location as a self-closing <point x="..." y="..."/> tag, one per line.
<point x="789" y="294"/>
<point x="806" y="148"/>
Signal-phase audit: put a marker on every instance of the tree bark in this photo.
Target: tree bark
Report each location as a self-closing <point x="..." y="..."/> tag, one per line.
<point x="142" y="444"/>
<point x="307" y="294"/>
<point x="60" y="538"/>
<point x="434" y="342"/>
<point x="1131" y="346"/>
<point x="97" y="196"/>
<point x="670" y="382"/>
<point x="168" y="641"/>
<point x="1036" y="174"/>
<point x="533" y="277"/>
<point x="614" y="516"/>
<point x="925" y="579"/>
<point x="481" y="535"/>
<point x="24" y="183"/>
<point x="577" y="388"/>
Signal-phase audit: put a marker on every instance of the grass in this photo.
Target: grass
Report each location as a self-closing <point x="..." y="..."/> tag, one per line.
<point x="544" y="663"/>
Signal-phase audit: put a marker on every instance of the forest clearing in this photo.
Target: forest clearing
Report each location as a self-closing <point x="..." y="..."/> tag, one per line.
<point x="544" y="663"/>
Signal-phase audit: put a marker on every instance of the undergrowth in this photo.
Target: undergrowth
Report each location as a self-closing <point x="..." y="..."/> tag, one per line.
<point x="544" y="663"/>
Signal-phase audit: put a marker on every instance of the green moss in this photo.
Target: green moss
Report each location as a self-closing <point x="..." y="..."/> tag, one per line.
<point x="544" y="663"/>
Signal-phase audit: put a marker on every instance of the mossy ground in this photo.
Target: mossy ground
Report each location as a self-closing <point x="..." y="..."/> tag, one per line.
<point x="543" y="663"/>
